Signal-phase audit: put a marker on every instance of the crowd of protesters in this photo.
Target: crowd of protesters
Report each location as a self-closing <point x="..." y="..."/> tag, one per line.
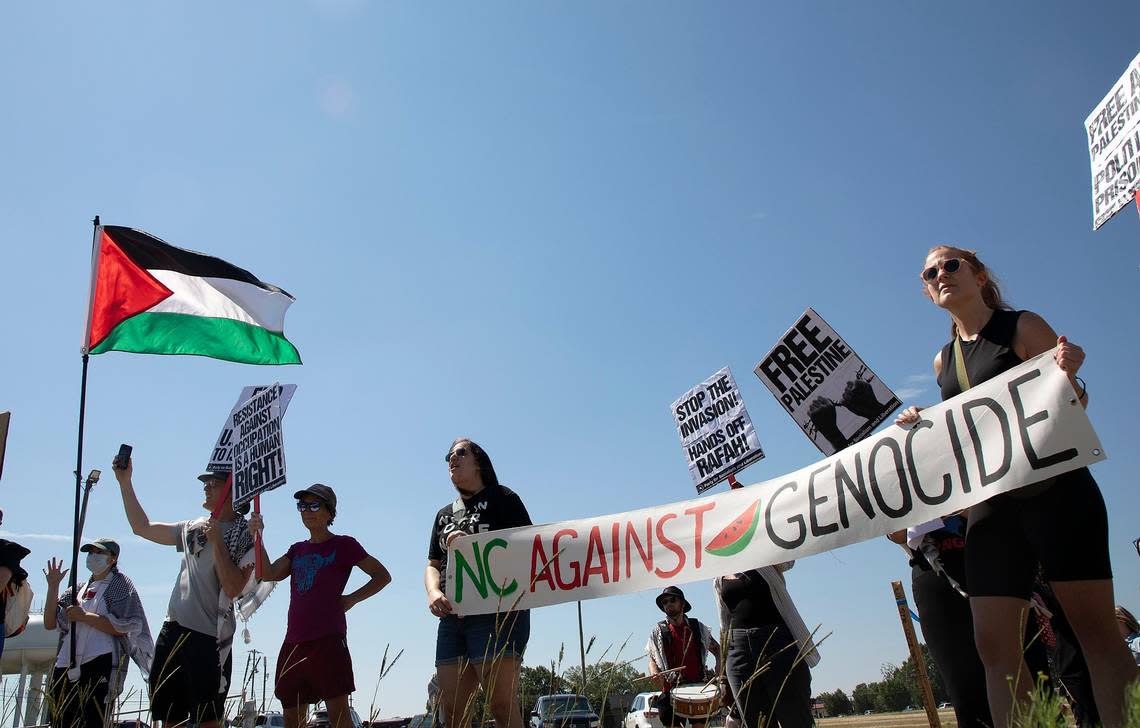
<point x="1022" y="577"/>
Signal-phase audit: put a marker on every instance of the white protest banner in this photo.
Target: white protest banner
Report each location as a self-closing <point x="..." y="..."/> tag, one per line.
<point x="824" y="385"/>
<point x="1113" y="129"/>
<point x="716" y="431"/>
<point x="1021" y="427"/>
<point x="259" y="452"/>
<point x="222" y="456"/>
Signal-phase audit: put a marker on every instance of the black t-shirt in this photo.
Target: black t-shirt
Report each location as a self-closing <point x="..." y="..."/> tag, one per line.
<point x="749" y="601"/>
<point x="491" y="509"/>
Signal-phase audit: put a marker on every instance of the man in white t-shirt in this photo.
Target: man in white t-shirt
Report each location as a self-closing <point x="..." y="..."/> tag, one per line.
<point x="192" y="662"/>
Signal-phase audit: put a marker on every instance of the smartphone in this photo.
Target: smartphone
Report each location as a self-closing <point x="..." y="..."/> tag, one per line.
<point x="124" y="456"/>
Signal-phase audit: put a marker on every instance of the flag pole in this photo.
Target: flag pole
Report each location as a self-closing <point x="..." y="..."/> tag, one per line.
<point x="76" y="535"/>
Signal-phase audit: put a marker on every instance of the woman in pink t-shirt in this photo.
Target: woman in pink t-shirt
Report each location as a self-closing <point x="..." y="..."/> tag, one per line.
<point x="314" y="663"/>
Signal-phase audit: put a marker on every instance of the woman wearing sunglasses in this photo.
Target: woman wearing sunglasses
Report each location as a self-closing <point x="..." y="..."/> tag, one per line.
<point x="1060" y="524"/>
<point x="480" y="650"/>
<point x="314" y="663"/>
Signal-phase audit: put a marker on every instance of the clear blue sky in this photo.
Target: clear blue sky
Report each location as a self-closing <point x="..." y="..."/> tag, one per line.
<point x="536" y="225"/>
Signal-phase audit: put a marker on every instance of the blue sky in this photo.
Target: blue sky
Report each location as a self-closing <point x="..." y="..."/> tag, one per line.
<point x="536" y="225"/>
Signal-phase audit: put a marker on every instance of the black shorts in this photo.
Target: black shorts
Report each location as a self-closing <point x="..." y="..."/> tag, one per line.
<point x="1063" y="527"/>
<point x="185" y="676"/>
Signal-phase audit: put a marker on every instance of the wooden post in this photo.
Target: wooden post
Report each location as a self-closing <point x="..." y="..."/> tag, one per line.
<point x="917" y="656"/>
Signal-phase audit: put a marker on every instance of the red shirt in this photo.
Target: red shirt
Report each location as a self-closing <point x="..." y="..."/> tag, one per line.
<point x="682" y="651"/>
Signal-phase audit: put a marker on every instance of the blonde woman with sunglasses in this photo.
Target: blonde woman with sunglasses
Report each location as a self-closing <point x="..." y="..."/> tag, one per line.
<point x="1061" y="523"/>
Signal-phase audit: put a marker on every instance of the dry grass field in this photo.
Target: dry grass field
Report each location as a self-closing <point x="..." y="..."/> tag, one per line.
<point x="910" y="719"/>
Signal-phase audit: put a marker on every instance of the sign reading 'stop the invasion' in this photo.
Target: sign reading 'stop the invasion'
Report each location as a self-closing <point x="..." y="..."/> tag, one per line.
<point x="716" y="432"/>
<point x="824" y="385"/>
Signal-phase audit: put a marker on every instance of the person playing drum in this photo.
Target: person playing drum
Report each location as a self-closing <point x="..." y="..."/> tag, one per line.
<point x="678" y="648"/>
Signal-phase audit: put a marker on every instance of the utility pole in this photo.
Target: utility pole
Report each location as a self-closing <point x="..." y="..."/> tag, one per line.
<point x="253" y="674"/>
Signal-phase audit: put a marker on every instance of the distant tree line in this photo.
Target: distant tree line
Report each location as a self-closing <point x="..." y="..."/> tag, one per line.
<point x="897" y="690"/>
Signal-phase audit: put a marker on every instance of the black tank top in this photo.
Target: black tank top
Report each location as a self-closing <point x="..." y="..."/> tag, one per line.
<point x="749" y="601"/>
<point x="987" y="356"/>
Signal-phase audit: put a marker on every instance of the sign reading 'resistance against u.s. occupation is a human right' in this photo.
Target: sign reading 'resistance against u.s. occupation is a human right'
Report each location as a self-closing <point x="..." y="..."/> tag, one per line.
<point x="259" y="451"/>
<point x="717" y="435"/>
<point x="824" y="385"/>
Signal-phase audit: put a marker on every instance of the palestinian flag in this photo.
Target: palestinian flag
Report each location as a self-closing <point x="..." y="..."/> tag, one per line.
<point x="150" y="297"/>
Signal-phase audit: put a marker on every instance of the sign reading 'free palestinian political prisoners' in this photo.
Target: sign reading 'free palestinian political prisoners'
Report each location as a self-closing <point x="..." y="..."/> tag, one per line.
<point x="222" y="456"/>
<point x="716" y="432"/>
<point x="824" y="385"/>
<point x="1018" y="428"/>
<point x="259" y="452"/>
<point x="1113" y="129"/>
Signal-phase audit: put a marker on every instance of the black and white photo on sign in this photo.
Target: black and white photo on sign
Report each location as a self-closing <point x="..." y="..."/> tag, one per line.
<point x="259" y="447"/>
<point x="222" y="456"/>
<point x="824" y="385"/>
<point x="1113" y="130"/>
<point x="717" y="435"/>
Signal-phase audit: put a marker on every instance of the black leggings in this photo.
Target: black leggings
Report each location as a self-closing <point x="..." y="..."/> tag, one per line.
<point x="779" y="696"/>
<point x="948" y="627"/>
<point x="80" y="704"/>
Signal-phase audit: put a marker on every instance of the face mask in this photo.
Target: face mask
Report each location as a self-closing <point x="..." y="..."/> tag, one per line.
<point x="97" y="563"/>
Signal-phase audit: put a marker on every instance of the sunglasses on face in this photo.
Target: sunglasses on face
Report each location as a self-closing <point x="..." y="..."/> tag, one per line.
<point x="312" y="506"/>
<point x="666" y="600"/>
<point x="950" y="265"/>
<point x="459" y="452"/>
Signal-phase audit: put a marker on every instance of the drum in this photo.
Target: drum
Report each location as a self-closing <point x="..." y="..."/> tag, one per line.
<point x="696" y="702"/>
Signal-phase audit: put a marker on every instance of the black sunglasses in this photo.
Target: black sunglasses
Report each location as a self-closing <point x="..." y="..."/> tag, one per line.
<point x="950" y="265"/>
<point x="669" y="598"/>
<point x="459" y="452"/>
<point x="312" y="506"/>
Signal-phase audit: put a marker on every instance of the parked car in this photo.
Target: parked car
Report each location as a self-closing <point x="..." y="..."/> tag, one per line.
<point x="423" y="720"/>
<point x="642" y="714"/>
<point x="320" y="719"/>
<point x="563" y="711"/>
<point x="270" y="720"/>
<point x="136" y="723"/>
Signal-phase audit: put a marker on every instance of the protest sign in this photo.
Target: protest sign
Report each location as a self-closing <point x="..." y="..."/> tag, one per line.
<point x="259" y="450"/>
<point x="1018" y="428"/>
<point x="1113" y="129"/>
<point x="716" y="432"/>
<point x="824" y="385"/>
<point x="222" y="456"/>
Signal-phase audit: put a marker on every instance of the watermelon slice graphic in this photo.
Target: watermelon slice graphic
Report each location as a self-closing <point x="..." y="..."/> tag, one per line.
<point x="737" y="534"/>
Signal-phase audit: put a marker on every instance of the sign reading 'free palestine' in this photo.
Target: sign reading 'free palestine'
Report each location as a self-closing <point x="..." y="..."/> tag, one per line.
<point x="824" y="385"/>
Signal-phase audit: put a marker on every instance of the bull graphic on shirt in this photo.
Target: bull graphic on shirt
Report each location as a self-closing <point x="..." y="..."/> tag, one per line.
<point x="305" y="570"/>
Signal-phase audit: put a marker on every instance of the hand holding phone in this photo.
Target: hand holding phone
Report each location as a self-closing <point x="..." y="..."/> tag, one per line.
<point x="123" y="458"/>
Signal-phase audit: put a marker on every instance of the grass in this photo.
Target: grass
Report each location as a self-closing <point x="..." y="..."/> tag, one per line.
<point x="909" y="719"/>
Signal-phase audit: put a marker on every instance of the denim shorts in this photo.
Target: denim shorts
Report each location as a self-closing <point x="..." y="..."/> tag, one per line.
<point x="482" y="637"/>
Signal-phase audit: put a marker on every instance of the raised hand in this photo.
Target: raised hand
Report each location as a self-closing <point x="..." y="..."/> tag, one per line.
<point x="55" y="572"/>
<point x="256" y="524"/>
